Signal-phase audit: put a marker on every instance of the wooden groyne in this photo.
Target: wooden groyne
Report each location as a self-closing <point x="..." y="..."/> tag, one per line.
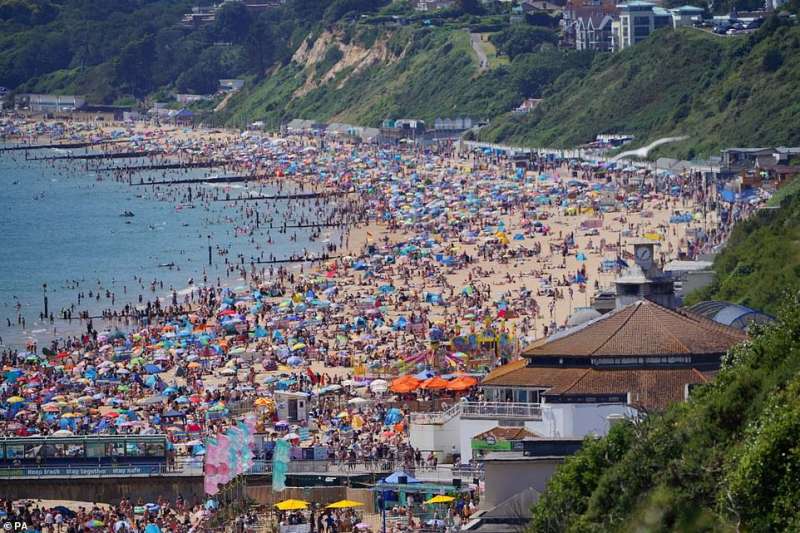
<point x="215" y="179"/>
<point x="295" y="226"/>
<point x="165" y="166"/>
<point x="63" y="146"/>
<point x="293" y="196"/>
<point x="117" y="155"/>
<point x="298" y="259"/>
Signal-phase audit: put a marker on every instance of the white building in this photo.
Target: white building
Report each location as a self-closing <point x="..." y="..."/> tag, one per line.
<point x="637" y="20"/>
<point x="634" y="360"/>
<point x="686" y="15"/>
<point x="52" y="103"/>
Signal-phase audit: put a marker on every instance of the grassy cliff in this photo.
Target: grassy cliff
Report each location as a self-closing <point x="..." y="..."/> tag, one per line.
<point x="407" y="72"/>
<point x="719" y="91"/>
<point x="761" y="260"/>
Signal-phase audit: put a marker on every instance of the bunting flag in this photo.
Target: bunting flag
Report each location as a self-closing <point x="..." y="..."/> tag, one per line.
<point x="280" y="465"/>
<point x="210" y="467"/>
<point x="234" y="455"/>
<point x="229" y="454"/>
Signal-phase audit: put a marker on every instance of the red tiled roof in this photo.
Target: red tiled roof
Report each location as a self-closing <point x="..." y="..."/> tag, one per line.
<point x="539" y="376"/>
<point x="507" y="433"/>
<point x="650" y="388"/>
<point x="653" y="389"/>
<point x="505" y="369"/>
<point x="641" y="329"/>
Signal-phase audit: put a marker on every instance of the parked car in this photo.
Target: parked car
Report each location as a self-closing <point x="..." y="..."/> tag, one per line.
<point x="721" y="29"/>
<point x="754" y="24"/>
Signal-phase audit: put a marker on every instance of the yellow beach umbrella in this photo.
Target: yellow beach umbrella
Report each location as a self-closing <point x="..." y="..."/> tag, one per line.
<point x="440" y="499"/>
<point x="291" y="505"/>
<point x="344" y="504"/>
<point x="15" y="399"/>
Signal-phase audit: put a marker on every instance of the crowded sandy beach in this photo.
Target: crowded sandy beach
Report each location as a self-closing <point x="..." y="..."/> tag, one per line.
<point x="437" y="265"/>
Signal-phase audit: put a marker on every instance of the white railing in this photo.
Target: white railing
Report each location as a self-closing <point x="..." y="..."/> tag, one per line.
<point x="436" y="417"/>
<point x="531" y="411"/>
<point x="527" y="411"/>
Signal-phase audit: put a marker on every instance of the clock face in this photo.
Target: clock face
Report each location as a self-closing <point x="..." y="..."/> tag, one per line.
<point x="644" y="254"/>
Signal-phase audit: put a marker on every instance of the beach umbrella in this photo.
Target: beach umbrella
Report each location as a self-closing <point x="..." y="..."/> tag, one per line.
<point x="344" y="504"/>
<point x="462" y="383"/>
<point x="15" y="399"/>
<point x="294" y="361"/>
<point x="51" y="407"/>
<point x="379" y="385"/>
<point x="152" y="369"/>
<point x="441" y="498"/>
<point x="357" y="401"/>
<point x="393" y="416"/>
<point x="434" y="383"/>
<point x="291" y="505"/>
<point x="404" y="384"/>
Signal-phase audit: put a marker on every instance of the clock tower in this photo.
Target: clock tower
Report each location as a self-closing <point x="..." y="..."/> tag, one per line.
<point x="643" y="280"/>
<point x="643" y="255"/>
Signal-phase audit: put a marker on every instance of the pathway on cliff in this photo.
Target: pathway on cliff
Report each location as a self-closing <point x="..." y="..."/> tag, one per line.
<point x="475" y="40"/>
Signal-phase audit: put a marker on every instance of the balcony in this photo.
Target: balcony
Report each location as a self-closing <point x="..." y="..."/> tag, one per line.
<point x="521" y="411"/>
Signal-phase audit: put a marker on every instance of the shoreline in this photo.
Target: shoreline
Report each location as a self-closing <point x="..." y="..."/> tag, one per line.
<point x="169" y="136"/>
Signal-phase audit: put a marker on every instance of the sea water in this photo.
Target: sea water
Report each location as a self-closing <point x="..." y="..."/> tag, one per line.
<point x="62" y="224"/>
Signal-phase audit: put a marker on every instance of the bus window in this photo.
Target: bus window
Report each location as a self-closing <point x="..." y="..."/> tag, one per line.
<point x="2" y="451"/>
<point x="155" y="449"/>
<point x="52" y="450"/>
<point x="33" y="450"/>
<point x="95" y="449"/>
<point x="134" y="449"/>
<point x="14" y="451"/>
<point x="115" y="449"/>
<point x="74" y="450"/>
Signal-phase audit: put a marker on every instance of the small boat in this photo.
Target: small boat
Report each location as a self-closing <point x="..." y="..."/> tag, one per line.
<point x="127" y="214"/>
<point x="167" y="265"/>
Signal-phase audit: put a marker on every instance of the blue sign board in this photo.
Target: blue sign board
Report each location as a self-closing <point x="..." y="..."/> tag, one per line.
<point x="83" y="471"/>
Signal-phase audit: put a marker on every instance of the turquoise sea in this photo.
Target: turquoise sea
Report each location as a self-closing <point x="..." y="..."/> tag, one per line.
<point x="62" y="226"/>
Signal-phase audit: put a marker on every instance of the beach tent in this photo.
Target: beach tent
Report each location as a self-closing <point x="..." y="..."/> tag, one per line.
<point x="394" y="478"/>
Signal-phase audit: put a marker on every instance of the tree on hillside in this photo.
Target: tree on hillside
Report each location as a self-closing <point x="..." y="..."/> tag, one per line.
<point x="522" y="39"/>
<point x="27" y="12"/>
<point x="470" y="7"/>
<point x="340" y="8"/>
<point x="259" y="46"/>
<point x="232" y="22"/>
<point x="133" y="66"/>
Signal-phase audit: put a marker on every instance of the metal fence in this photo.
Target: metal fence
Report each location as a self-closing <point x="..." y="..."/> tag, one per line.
<point x="527" y="411"/>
